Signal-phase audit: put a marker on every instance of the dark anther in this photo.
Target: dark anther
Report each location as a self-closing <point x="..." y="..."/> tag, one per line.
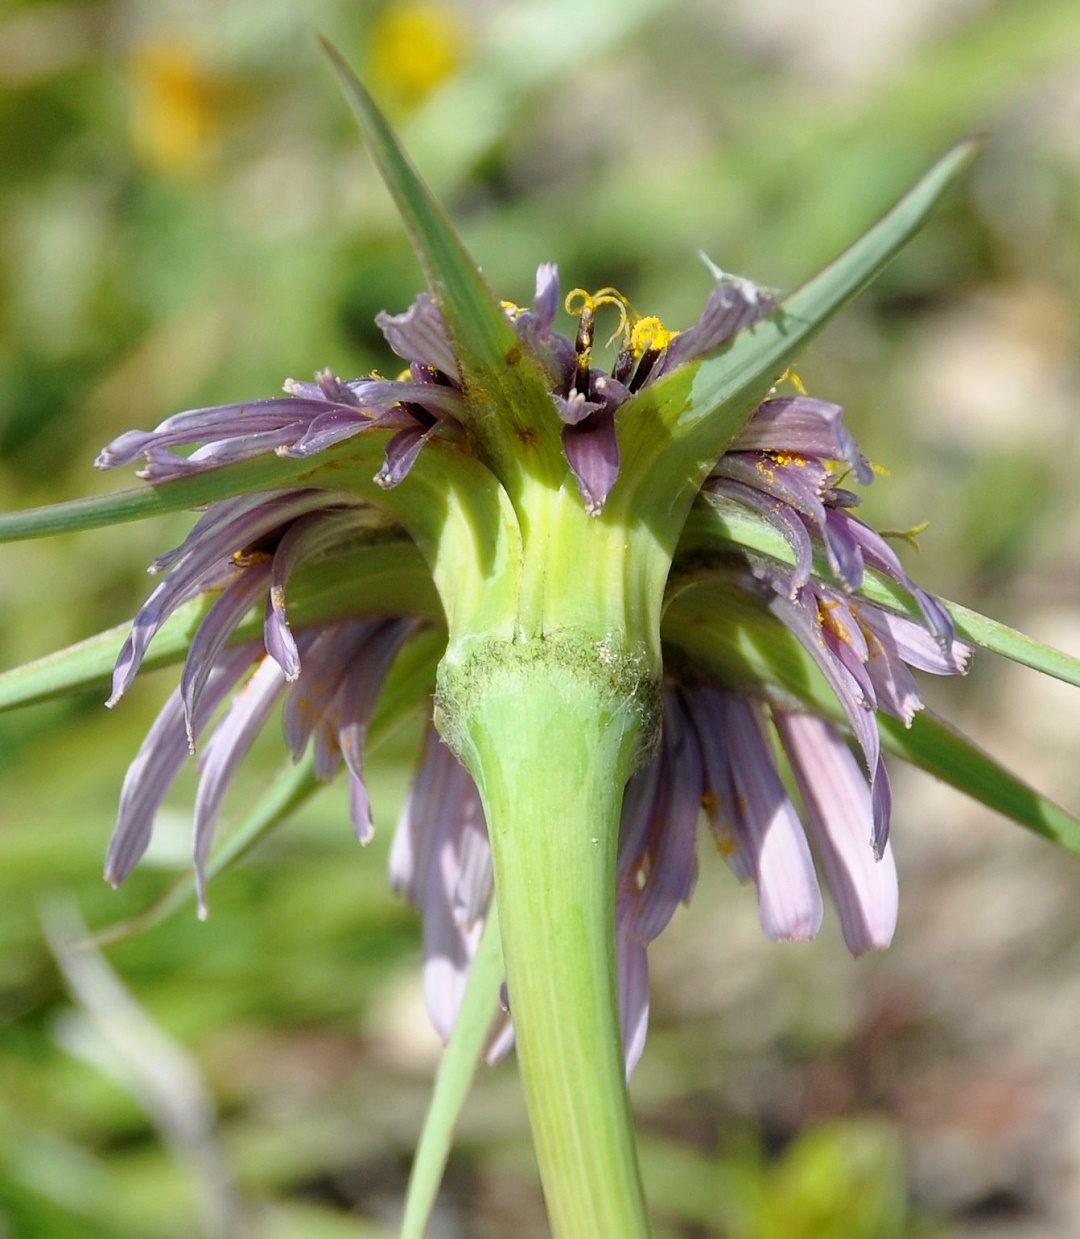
<point x="624" y="363"/>
<point x="583" y="349"/>
<point x="644" y="369"/>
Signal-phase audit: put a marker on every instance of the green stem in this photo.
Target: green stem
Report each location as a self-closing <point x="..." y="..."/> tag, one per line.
<point x="551" y="730"/>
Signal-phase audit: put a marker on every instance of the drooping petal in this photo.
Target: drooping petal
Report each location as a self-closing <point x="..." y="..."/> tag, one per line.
<point x="836" y="799"/>
<point x="207" y="563"/>
<point x="361" y="684"/>
<point x="592" y="452"/>
<point x="632" y="963"/>
<point x="789" y="900"/>
<point x="804" y="426"/>
<point x="210" y="638"/>
<point x="159" y="760"/>
<point x="225" y="750"/>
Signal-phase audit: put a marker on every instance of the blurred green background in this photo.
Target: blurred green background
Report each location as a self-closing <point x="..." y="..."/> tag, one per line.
<point x="186" y="218"/>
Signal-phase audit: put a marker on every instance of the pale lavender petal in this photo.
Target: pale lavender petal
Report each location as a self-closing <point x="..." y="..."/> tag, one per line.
<point x="450" y="941"/>
<point x="213" y="632"/>
<point x="401" y="454"/>
<point x="158" y="762"/>
<point x="914" y="644"/>
<point x="845" y="554"/>
<point x="836" y="800"/>
<point x="881" y="797"/>
<point x="228" y="421"/>
<point x="419" y="334"/>
<point x="326" y="430"/>
<point x="305" y="541"/>
<point x="362" y="682"/>
<point x="575" y="408"/>
<point x="800" y="486"/>
<point x="553" y="351"/>
<point x="632" y="962"/>
<point x="163" y="465"/>
<point x="225" y="750"/>
<point x="206" y="564"/>
<point x="546" y="300"/>
<point x="789" y="900"/>
<point x="323" y="665"/>
<point x="442" y="785"/>
<point x="638" y="811"/>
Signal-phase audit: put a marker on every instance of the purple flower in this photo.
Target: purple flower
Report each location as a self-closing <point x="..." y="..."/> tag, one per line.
<point x="717" y="748"/>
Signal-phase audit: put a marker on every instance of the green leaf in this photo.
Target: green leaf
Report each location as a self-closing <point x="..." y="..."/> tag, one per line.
<point x="269" y="472"/>
<point x="671" y="432"/>
<point x="940" y="749"/>
<point x="716" y="524"/>
<point x="723" y="632"/>
<point x="463" y="1056"/>
<point x="509" y="406"/>
<point x="387" y="576"/>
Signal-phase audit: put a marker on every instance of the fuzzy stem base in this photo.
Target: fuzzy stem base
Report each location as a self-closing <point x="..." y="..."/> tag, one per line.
<point x="551" y="731"/>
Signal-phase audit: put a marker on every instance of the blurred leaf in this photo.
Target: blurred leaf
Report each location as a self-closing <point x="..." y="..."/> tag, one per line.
<point x="943" y="751"/>
<point x="463" y="1056"/>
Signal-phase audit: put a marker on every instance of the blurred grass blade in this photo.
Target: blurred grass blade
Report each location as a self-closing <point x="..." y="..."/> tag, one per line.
<point x="704" y="405"/>
<point x="938" y="748"/>
<point x="485" y="344"/>
<point x="456" y="1071"/>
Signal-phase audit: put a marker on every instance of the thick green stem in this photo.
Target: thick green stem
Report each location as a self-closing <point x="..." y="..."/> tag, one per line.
<point x="551" y="731"/>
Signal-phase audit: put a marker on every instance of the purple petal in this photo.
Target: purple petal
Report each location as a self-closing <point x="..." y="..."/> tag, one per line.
<point x="838" y="809"/>
<point x="225" y="750"/>
<point x="205" y="564"/>
<point x="355" y="705"/>
<point x="401" y="454"/>
<point x="781" y="516"/>
<point x="632" y="961"/>
<point x="213" y="632"/>
<point x="668" y="865"/>
<point x="158" y="762"/>
<point x="804" y="426"/>
<point x="419" y="334"/>
<point x="789" y="900"/>
<point x="592" y="452"/>
<point x="732" y="306"/>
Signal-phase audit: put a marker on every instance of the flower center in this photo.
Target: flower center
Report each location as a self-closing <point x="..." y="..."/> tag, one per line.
<point x="643" y="338"/>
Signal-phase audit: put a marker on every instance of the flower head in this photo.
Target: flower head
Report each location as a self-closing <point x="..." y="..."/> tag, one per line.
<point x="721" y="718"/>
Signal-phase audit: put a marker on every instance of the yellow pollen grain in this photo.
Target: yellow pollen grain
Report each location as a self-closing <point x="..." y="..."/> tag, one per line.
<point x="650" y="333"/>
<point x="640" y="334"/>
<point x="831" y="621"/>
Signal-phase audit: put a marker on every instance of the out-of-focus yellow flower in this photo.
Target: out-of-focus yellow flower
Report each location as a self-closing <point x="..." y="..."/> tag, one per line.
<point x="173" y="122"/>
<point x="413" y="48"/>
